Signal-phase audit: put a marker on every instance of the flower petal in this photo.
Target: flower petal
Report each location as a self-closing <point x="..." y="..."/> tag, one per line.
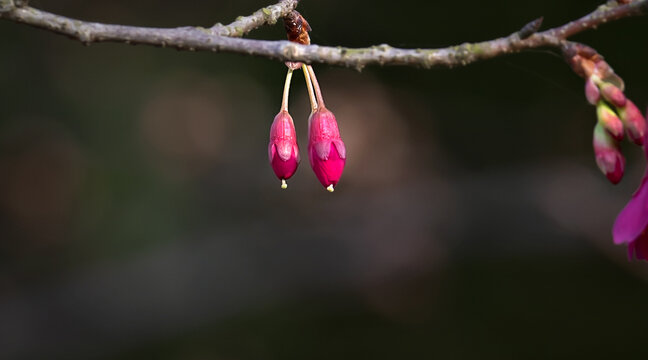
<point x="322" y="149"/>
<point x="296" y="152"/>
<point x="339" y="145"/>
<point x="284" y="149"/>
<point x="272" y="151"/>
<point x="328" y="171"/>
<point x="639" y="248"/>
<point x="633" y="219"/>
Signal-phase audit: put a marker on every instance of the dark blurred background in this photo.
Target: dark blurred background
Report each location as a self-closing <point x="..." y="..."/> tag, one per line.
<point x="139" y="218"/>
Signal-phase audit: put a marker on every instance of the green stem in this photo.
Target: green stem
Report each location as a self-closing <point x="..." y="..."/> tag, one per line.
<point x="318" y="92"/>
<point x="309" y="86"/>
<point x="284" y="100"/>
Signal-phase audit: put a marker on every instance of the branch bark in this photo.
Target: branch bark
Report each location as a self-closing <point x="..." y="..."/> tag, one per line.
<point x="226" y="38"/>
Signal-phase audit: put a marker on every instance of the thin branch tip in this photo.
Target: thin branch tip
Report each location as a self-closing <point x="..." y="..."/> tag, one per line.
<point x="530" y="28"/>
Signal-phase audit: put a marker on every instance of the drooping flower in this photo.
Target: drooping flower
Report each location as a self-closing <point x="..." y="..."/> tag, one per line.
<point x="283" y="150"/>
<point x="326" y="150"/>
<point x="631" y="225"/>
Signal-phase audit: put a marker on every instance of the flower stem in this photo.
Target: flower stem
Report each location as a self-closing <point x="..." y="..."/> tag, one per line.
<point x="318" y="92"/>
<point x="284" y="100"/>
<point x="309" y="86"/>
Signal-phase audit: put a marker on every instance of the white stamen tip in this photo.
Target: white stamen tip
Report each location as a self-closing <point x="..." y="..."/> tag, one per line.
<point x="284" y="185"/>
<point x="330" y="188"/>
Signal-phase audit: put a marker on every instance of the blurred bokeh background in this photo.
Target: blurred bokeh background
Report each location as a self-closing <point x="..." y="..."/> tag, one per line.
<point x="139" y="218"/>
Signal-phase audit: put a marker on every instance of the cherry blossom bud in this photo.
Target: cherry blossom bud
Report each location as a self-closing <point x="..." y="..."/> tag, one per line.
<point x="283" y="151"/>
<point x="613" y="94"/>
<point x="608" y="157"/>
<point x="326" y="150"/>
<point x="592" y="92"/>
<point x="609" y="120"/>
<point x="603" y="71"/>
<point x="634" y="122"/>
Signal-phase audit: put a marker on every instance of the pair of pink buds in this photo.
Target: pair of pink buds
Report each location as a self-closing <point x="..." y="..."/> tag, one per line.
<point x="326" y="150"/>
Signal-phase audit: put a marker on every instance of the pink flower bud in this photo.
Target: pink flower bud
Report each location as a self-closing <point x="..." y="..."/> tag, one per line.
<point x="609" y="120"/>
<point x="634" y="122"/>
<point x="326" y="150"/>
<point x="283" y="150"/>
<point x="613" y="94"/>
<point x="592" y="92"/>
<point x="608" y="157"/>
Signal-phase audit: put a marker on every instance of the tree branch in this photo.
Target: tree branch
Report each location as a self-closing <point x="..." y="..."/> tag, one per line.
<point x="225" y="38"/>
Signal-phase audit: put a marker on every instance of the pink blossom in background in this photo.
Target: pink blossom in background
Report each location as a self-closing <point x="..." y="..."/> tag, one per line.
<point x="631" y="225"/>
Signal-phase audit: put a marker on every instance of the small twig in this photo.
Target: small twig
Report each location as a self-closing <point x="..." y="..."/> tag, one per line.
<point x="530" y="28"/>
<point x="220" y="37"/>
<point x="187" y="37"/>
<point x="267" y="15"/>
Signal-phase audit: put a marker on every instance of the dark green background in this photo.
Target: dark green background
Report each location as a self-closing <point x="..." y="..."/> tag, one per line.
<point x="139" y="218"/>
